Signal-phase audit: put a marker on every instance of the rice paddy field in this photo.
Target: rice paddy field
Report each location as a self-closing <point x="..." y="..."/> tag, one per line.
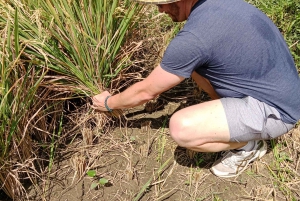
<point x="55" y="55"/>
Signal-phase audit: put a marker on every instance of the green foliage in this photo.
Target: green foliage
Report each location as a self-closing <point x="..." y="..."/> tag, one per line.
<point x="162" y="142"/>
<point x="147" y="185"/>
<point x="199" y="159"/>
<point x="91" y="173"/>
<point x="101" y="182"/>
<point x="280" y="169"/>
<point x="79" y="41"/>
<point x="19" y="84"/>
<point x="286" y="15"/>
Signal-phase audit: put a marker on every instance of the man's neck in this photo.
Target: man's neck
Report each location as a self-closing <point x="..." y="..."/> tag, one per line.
<point x="189" y="5"/>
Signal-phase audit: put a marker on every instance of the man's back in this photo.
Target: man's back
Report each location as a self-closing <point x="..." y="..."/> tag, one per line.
<point x="240" y="51"/>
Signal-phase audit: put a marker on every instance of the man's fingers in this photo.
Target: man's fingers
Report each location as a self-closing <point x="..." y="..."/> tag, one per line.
<point x="98" y="108"/>
<point x="94" y="99"/>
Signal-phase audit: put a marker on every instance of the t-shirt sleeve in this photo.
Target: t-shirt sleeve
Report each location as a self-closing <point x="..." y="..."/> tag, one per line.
<point x="184" y="54"/>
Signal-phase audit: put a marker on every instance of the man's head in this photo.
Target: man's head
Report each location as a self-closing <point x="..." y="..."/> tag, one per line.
<point x="178" y="10"/>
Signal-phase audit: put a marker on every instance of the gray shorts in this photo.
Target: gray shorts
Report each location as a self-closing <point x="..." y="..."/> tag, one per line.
<point x="249" y="119"/>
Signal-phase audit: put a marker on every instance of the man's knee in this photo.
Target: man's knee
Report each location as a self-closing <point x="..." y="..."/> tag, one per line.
<point x="177" y="126"/>
<point x="180" y="129"/>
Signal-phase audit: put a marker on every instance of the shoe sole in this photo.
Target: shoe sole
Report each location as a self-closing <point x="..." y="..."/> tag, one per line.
<point x="262" y="151"/>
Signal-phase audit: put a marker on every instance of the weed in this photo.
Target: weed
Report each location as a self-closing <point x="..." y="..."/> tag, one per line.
<point x="100" y="183"/>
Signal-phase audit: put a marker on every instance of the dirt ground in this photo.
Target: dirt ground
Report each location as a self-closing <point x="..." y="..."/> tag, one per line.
<point x="138" y="160"/>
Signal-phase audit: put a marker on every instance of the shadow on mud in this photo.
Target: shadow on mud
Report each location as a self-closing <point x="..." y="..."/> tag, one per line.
<point x="188" y="158"/>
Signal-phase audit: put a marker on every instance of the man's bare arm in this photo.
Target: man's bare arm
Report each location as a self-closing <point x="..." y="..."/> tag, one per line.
<point x="157" y="82"/>
<point x="205" y="85"/>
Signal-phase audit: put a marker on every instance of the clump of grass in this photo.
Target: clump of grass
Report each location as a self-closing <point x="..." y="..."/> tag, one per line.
<point x="81" y="42"/>
<point x="284" y="168"/>
<point x="19" y="83"/>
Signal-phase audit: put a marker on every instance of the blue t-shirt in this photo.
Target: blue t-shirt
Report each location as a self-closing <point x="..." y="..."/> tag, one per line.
<point x="240" y="51"/>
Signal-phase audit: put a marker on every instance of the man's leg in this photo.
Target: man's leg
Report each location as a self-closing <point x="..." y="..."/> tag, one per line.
<point x="203" y="128"/>
<point x="234" y="124"/>
<point x="205" y="85"/>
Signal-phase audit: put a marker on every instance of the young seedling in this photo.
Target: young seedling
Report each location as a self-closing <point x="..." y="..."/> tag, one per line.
<point x="100" y="183"/>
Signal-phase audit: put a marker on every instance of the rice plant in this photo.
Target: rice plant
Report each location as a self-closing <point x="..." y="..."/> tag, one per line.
<point x="19" y="84"/>
<point x="80" y="41"/>
<point x="74" y="47"/>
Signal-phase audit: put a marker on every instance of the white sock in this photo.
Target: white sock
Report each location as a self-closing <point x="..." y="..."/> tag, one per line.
<point x="248" y="147"/>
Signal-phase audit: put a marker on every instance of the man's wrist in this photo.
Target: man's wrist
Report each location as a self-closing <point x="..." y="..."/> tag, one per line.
<point x="105" y="104"/>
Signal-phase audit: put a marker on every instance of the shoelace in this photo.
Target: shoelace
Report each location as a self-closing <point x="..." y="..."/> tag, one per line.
<point x="231" y="159"/>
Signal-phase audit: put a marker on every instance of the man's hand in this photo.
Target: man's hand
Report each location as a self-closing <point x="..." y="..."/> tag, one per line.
<point x="98" y="101"/>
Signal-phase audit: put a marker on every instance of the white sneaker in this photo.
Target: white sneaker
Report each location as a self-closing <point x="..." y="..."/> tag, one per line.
<point x="235" y="162"/>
